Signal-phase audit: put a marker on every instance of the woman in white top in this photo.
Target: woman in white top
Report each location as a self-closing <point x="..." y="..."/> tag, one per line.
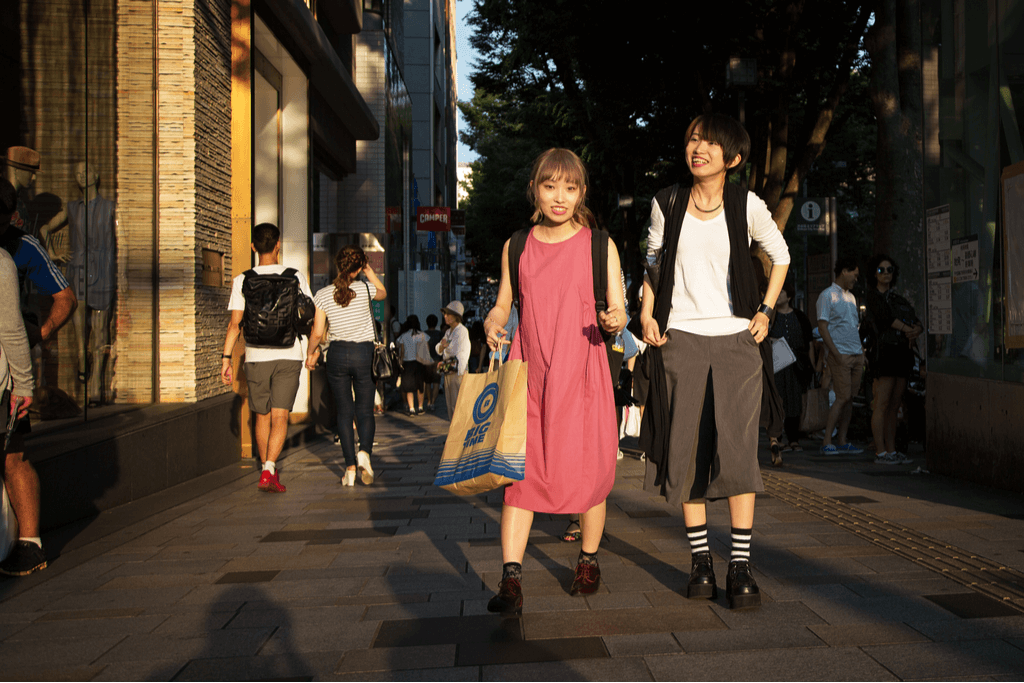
<point x="413" y="345"/>
<point x="344" y="312"/>
<point x="455" y="344"/>
<point x="704" y="320"/>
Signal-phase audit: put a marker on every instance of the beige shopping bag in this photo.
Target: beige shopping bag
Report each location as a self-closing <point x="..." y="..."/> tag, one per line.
<point x="486" y="445"/>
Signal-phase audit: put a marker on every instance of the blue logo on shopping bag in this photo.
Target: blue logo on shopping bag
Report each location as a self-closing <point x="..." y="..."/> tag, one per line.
<point x="482" y="410"/>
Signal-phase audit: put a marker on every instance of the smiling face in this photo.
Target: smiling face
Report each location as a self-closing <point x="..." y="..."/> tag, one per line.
<point x="705" y="158"/>
<point x="556" y="199"/>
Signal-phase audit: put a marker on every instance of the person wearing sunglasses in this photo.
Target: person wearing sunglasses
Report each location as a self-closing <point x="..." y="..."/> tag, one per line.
<point x="892" y="327"/>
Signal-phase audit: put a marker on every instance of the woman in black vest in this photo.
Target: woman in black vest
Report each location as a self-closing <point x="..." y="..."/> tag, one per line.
<point x="704" y="319"/>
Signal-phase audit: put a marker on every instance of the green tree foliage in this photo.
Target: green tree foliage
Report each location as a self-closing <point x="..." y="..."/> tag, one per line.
<point x="619" y="85"/>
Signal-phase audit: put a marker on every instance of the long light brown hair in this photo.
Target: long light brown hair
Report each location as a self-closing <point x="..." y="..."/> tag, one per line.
<point x="349" y="261"/>
<point x="560" y="164"/>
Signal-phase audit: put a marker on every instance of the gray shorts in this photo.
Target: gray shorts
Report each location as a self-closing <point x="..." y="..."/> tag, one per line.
<point x="272" y="384"/>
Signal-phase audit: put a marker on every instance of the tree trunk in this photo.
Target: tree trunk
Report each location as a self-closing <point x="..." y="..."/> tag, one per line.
<point x="896" y="92"/>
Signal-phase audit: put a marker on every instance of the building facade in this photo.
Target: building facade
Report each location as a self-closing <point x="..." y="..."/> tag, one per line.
<point x="145" y="139"/>
<point x="974" y="201"/>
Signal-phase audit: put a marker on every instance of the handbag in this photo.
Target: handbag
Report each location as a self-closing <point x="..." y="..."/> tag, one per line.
<point x="630" y="422"/>
<point x="782" y="354"/>
<point x="653" y="262"/>
<point x="386" y="363"/>
<point x="486" y="444"/>
<point x="814" y="416"/>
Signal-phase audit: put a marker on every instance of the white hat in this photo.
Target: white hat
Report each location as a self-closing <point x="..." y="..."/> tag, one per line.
<point x="454" y="308"/>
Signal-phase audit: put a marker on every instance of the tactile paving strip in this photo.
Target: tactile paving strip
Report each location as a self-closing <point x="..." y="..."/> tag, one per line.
<point x="978" y="573"/>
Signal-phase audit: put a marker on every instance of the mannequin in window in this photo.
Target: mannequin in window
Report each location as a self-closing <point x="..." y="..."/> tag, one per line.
<point x="91" y="270"/>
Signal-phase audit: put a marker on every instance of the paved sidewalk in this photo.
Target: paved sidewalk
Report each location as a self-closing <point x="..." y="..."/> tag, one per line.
<point x="866" y="574"/>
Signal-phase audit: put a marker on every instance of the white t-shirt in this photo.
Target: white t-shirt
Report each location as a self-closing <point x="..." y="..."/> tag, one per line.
<point x="838" y="307"/>
<point x="351" y="323"/>
<point x="459" y="346"/>
<point x="414" y="346"/>
<point x="260" y="354"/>
<point x="701" y="297"/>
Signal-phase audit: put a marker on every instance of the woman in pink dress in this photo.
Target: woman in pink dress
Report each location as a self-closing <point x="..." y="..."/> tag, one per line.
<point x="572" y="439"/>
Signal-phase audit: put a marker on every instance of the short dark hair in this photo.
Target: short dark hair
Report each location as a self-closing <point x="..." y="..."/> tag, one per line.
<point x="872" y="274"/>
<point x="789" y="288"/>
<point x="411" y="323"/>
<point x="431" y="320"/>
<point x="8" y="197"/>
<point x="845" y="263"/>
<point x="728" y="133"/>
<point x="265" y="237"/>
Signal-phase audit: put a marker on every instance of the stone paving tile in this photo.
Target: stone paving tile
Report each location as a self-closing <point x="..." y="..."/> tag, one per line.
<point x="281" y="667"/>
<point x="616" y="622"/>
<point x="158" y="581"/>
<point x="858" y="635"/>
<point x="420" y="610"/>
<point x="183" y="624"/>
<point x="397" y="658"/>
<point x="139" y="597"/>
<point x="810" y="664"/>
<point x="44" y="673"/>
<point x="632" y="669"/>
<point x="908" y="609"/>
<point x="1006" y="628"/>
<point x="71" y="653"/>
<point x="771" y="615"/>
<point x="201" y="644"/>
<point x="43" y="631"/>
<point x="887" y="585"/>
<point x="950" y="659"/>
<point x="633" y="645"/>
<point x="624" y="600"/>
<point x="737" y="640"/>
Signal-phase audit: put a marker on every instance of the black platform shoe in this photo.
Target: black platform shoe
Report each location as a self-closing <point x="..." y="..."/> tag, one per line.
<point x="740" y="587"/>
<point x="702" y="577"/>
<point x="509" y="599"/>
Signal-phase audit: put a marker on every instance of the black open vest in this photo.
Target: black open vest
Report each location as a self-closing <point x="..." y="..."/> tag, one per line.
<point x="746" y="297"/>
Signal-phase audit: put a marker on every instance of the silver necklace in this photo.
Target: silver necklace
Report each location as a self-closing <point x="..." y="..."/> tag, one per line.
<point x="707" y="210"/>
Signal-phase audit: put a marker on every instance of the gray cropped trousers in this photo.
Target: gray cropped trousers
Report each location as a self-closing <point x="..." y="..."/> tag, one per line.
<point x="718" y="458"/>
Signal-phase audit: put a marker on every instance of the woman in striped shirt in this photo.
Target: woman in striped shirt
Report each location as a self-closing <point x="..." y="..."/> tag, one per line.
<point x="344" y="315"/>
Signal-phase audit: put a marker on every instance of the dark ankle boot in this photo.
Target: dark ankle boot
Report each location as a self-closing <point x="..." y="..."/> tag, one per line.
<point x="509" y="599"/>
<point x="702" y="577"/>
<point x="740" y="587"/>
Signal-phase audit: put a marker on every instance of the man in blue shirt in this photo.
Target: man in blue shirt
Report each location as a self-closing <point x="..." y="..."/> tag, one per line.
<point x="21" y="479"/>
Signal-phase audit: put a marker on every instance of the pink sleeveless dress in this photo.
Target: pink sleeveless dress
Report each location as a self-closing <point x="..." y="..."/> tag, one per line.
<point x="571" y="438"/>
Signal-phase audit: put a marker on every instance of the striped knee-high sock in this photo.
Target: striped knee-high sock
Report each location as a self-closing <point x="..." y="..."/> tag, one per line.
<point x="698" y="537"/>
<point x="740" y="544"/>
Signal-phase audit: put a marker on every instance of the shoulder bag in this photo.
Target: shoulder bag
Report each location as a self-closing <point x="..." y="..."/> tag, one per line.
<point x="386" y="361"/>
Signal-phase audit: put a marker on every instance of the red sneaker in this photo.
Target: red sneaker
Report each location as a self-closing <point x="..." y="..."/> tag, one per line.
<point x="275" y="484"/>
<point x="265" y="478"/>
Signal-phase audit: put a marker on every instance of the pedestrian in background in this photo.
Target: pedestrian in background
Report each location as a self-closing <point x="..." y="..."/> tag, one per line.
<point x="455" y="347"/>
<point x="703" y="324"/>
<point x="345" y="315"/>
<point x="412" y="344"/>
<point x="893" y="326"/>
<point x="792" y="381"/>
<point x="839" y="324"/>
<point x="432" y="380"/>
<point x="571" y="436"/>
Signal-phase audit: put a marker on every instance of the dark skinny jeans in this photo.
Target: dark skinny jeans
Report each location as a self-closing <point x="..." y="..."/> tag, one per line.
<point x="348" y="368"/>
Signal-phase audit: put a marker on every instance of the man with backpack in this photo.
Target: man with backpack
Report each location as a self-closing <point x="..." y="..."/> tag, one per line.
<point x="267" y="303"/>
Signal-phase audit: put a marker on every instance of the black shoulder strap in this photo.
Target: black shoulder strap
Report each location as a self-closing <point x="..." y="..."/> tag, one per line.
<point x="290" y="272"/>
<point x="516" y="246"/>
<point x="599" y="258"/>
<point x="248" y="274"/>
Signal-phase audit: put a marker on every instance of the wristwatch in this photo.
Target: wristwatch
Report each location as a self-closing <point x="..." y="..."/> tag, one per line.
<point x="766" y="309"/>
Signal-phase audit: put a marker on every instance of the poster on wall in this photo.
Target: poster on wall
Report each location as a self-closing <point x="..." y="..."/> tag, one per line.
<point x="963" y="259"/>
<point x="940" y="306"/>
<point x="937" y="220"/>
<point x="1013" y="253"/>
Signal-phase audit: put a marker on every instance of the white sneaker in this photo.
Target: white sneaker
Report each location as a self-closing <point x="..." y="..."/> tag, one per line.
<point x="350" y="478"/>
<point x="621" y="455"/>
<point x="363" y="464"/>
<point x="901" y="458"/>
<point x="885" y="458"/>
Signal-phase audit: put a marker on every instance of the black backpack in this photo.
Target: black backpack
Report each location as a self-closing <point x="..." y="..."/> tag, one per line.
<point x="276" y="310"/>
